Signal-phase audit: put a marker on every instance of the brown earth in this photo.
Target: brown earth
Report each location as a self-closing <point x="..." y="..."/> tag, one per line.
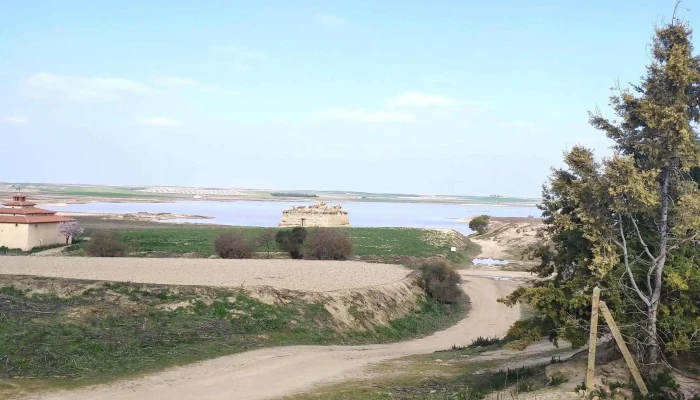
<point x="304" y="275"/>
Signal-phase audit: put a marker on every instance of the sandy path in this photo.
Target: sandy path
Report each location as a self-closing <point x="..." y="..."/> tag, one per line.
<point x="303" y="275"/>
<point x="275" y="372"/>
<point x="490" y="248"/>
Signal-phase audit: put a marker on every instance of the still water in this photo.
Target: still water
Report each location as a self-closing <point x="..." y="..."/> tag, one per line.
<point x="264" y="213"/>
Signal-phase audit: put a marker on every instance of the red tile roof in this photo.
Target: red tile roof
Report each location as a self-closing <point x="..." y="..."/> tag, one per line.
<point x="25" y="211"/>
<point x="32" y="219"/>
<point x="20" y="203"/>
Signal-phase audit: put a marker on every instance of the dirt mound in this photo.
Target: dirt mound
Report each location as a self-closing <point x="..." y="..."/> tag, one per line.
<point x="349" y="310"/>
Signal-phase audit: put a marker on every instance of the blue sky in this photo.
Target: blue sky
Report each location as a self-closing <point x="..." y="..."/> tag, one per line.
<point x="440" y="97"/>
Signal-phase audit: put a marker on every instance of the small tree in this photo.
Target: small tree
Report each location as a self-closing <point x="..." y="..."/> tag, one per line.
<point x="266" y="239"/>
<point x="480" y="224"/>
<point x="327" y="244"/>
<point x="105" y="244"/>
<point x="234" y="245"/>
<point x="292" y="241"/>
<point x="70" y="229"/>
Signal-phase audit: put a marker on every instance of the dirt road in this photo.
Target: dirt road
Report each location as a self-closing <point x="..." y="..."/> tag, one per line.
<point x="306" y="275"/>
<point x="276" y="372"/>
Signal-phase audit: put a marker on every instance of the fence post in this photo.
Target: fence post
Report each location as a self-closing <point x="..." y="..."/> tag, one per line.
<point x="592" y="339"/>
<point x="623" y="348"/>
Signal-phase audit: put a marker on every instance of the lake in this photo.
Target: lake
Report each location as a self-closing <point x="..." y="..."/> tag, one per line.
<point x="361" y="214"/>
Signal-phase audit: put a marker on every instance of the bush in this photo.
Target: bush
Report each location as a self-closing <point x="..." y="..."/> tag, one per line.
<point x="441" y="282"/>
<point x="234" y="245"/>
<point x="266" y="240"/>
<point x="327" y="244"/>
<point x="292" y="241"/>
<point x="480" y="224"/>
<point x="105" y="244"/>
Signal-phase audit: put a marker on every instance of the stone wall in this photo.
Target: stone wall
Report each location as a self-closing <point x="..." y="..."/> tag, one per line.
<point x="316" y="215"/>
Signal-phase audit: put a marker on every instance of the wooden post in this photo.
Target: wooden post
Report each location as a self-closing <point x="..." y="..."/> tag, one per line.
<point x="592" y="339"/>
<point x="623" y="348"/>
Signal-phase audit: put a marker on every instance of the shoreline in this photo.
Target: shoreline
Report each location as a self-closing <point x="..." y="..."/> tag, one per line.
<point x="138" y="216"/>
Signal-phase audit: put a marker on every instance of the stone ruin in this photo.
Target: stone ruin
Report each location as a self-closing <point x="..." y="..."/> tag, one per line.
<point x="318" y="214"/>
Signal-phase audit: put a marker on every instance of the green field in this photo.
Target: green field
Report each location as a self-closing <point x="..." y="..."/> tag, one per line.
<point x="368" y="242"/>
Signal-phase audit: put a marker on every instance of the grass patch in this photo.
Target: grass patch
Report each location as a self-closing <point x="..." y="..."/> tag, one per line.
<point x="386" y="243"/>
<point x="473" y="380"/>
<point x="104" y="331"/>
<point x="19" y="252"/>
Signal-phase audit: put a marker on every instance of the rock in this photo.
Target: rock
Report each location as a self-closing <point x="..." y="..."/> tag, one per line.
<point x="622" y="393"/>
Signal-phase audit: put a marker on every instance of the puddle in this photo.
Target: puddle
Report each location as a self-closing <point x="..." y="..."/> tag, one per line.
<point x="489" y="261"/>
<point x="499" y="278"/>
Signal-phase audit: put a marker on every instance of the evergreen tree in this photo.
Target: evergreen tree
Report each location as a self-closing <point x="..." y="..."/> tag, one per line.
<point x="631" y="223"/>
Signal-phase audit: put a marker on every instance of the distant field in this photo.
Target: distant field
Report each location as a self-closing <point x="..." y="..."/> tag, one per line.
<point x="146" y="237"/>
<point x="160" y="193"/>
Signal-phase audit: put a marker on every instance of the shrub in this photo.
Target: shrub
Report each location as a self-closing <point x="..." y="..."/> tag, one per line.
<point x="327" y="244"/>
<point x="266" y="240"/>
<point x="292" y="241"/>
<point x="441" y="282"/>
<point x="233" y="245"/>
<point x="480" y="224"/>
<point x="105" y="244"/>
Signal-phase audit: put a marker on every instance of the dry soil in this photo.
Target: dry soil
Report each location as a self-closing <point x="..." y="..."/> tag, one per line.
<point x="304" y="275"/>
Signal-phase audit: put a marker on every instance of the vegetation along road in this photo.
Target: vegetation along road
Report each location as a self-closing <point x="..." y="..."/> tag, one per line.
<point x="275" y="372"/>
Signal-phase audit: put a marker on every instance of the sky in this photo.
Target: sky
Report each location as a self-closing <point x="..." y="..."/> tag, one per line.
<point x="453" y="97"/>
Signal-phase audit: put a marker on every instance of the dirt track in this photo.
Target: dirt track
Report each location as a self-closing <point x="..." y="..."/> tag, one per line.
<point x="276" y="372"/>
<point x="305" y="275"/>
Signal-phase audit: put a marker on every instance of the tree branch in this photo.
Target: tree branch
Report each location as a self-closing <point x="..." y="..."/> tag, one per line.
<point x="639" y="235"/>
<point x="623" y="245"/>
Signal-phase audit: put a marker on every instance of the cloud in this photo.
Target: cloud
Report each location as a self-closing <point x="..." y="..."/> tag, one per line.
<point x="160" y="122"/>
<point x="14" y="120"/>
<point x="417" y="99"/>
<point x="332" y="21"/>
<point x="365" y="116"/>
<point x="177" y="83"/>
<point x="57" y="87"/>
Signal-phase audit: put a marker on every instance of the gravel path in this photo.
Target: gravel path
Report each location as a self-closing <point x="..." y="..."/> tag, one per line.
<point x="319" y="276"/>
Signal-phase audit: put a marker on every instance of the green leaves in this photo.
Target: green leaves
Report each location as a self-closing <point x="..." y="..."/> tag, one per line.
<point x="631" y="223"/>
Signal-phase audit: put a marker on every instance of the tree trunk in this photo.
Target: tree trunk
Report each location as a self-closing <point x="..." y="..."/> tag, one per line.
<point x="653" y="348"/>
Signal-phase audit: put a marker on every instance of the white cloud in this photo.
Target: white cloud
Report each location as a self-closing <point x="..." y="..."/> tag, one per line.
<point x="360" y="115"/>
<point x="174" y="81"/>
<point x="14" y="119"/>
<point x="332" y="21"/>
<point x="417" y="99"/>
<point x="50" y="86"/>
<point x="160" y="122"/>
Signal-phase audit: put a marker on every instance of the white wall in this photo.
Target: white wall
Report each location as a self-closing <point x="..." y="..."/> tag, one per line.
<point x="28" y="236"/>
<point x="45" y="235"/>
<point x="14" y="236"/>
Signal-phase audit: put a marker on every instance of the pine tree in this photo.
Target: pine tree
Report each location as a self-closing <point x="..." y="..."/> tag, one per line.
<point x="630" y="224"/>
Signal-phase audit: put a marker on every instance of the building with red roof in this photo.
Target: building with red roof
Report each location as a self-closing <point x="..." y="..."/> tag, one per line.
<point x="23" y="226"/>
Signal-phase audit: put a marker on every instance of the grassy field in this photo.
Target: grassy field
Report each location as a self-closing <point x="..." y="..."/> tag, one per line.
<point x="457" y="374"/>
<point x="102" y="331"/>
<point x="159" y="238"/>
